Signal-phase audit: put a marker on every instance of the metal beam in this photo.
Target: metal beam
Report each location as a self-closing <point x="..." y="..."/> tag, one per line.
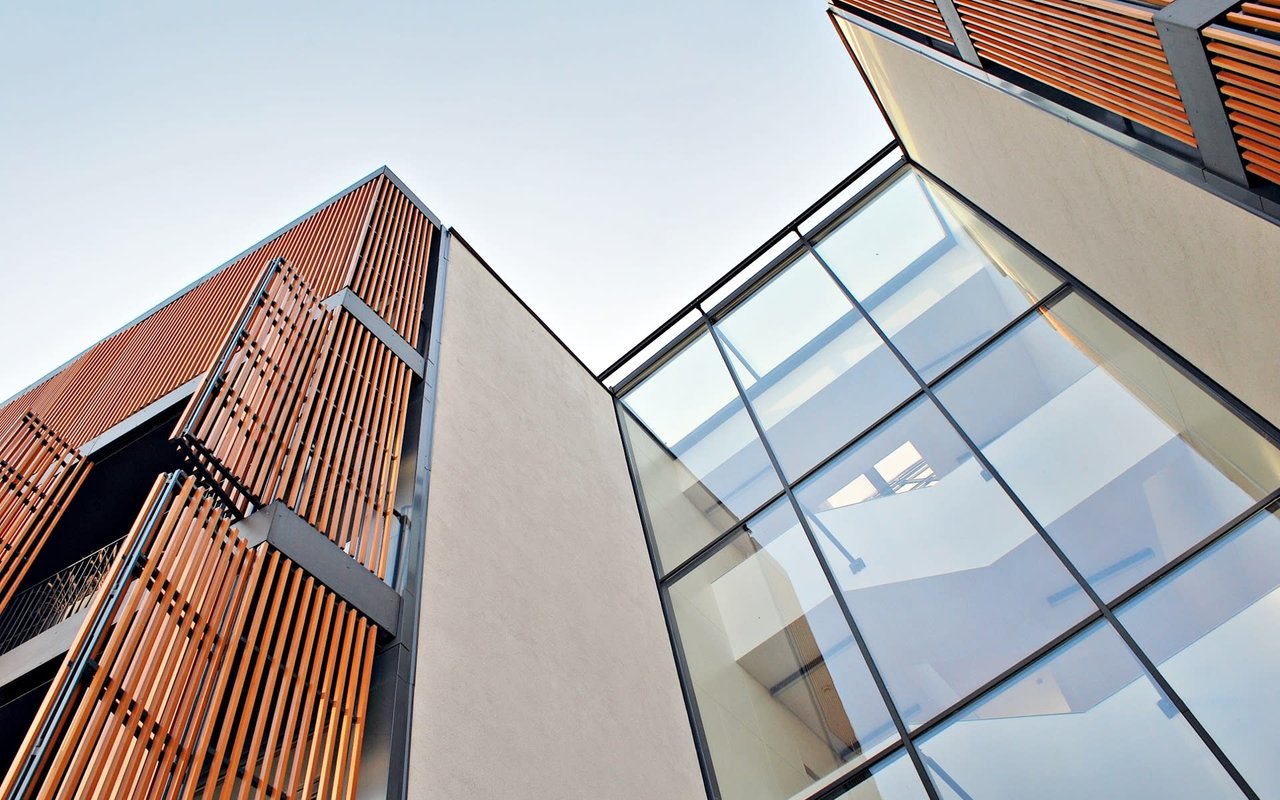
<point x="1179" y="25"/>
<point x="278" y="526"/>
<point x="959" y="33"/>
<point x="366" y="316"/>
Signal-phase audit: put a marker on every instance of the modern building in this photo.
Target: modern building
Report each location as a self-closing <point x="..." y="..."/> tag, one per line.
<point x="962" y="485"/>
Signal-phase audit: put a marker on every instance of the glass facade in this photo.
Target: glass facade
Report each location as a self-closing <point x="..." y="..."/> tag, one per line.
<point x="931" y="523"/>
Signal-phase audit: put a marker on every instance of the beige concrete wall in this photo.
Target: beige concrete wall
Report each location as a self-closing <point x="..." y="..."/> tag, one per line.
<point x="1201" y="274"/>
<point x="544" y="668"/>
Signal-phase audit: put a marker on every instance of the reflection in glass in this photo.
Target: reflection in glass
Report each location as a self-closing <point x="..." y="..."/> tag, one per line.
<point x="782" y="690"/>
<point x="896" y="779"/>
<point x="1211" y="629"/>
<point x="813" y="369"/>
<point x="700" y="465"/>
<point x="948" y="582"/>
<point x="1085" y="722"/>
<point x="937" y="278"/>
<point x="1124" y="460"/>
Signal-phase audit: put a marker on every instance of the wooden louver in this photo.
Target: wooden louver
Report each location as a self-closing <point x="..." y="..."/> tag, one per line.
<point x="306" y="406"/>
<point x="921" y="16"/>
<point x="1105" y="52"/>
<point x="39" y="474"/>
<point x="1245" y="53"/>
<point x="206" y="669"/>
<point x="130" y="369"/>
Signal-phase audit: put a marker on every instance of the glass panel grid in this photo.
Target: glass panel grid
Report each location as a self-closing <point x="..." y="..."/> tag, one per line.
<point x="927" y="699"/>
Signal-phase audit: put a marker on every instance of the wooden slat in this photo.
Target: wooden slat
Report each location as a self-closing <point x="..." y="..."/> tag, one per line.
<point x="921" y="16"/>
<point x="1245" y="54"/>
<point x="188" y="697"/>
<point x="225" y="671"/>
<point x="1105" y="52"/>
<point x="131" y="369"/>
<point x="39" y="475"/>
<point x="309" y="407"/>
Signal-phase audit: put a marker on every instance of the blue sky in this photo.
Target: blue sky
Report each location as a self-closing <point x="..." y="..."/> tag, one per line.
<point x="609" y="159"/>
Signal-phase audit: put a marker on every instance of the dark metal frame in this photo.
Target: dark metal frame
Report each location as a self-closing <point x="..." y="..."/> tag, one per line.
<point x="693" y="305"/>
<point x="403" y="651"/>
<point x="1105" y="613"/>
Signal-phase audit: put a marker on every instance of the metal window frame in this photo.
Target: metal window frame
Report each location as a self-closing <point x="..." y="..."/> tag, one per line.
<point x="830" y="786"/>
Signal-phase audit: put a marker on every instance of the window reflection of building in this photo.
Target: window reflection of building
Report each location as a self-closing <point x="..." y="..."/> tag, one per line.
<point x="944" y="531"/>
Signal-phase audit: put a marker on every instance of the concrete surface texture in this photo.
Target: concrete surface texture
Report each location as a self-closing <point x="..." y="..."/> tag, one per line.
<point x="544" y="668"/>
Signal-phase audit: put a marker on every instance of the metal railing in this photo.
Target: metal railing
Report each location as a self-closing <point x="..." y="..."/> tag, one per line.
<point x="38" y="608"/>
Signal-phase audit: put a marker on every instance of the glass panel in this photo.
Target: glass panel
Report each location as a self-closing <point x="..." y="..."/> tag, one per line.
<point x="948" y="581"/>
<point x="895" y="780"/>
<point x="1211" y="628"/>
<point x="814" y="370"/>
<point x="783" y="692"/>
<point x="937" y="278"/>
<point x="699" y="462"/>
<point x="1085" y="722"/>
<point x="1125" y="461"/>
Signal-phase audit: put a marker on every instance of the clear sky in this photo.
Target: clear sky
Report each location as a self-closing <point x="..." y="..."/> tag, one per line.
<point x="609" y="159"/>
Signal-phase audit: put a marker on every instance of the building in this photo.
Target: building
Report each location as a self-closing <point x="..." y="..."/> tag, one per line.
<point x="961" y="486"/>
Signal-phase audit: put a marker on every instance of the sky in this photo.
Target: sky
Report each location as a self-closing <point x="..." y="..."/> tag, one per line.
<point x="608" y="159"/>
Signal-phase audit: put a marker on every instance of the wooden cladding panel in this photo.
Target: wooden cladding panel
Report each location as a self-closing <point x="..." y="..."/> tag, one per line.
<point x="39" y="474"/>
<point x="921" y="16"/>
<point x="390" y="274"/>
<point x="130" y="369"/>
<point x="1245" y="53"/>
<point x="309" y="409"/>
<point x="1105" y="52"/>
<point x="221" y="671"/>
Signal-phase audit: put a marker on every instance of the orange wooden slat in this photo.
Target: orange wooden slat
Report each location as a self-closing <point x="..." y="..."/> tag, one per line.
<point x="141" y="727"/>
<point x="39" y="475"/>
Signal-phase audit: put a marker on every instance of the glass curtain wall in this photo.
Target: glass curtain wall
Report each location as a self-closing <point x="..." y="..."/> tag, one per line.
<point x="929" y="523"/>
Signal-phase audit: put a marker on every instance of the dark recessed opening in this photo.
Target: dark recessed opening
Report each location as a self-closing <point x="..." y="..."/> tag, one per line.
<point x="108" y="502"/>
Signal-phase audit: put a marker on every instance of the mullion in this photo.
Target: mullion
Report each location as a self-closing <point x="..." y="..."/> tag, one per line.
<point x="1173" y="565"/>
<point x="701" y="746"/>
<point x="881" y="686"/>
<point x="706" y="550"/>
<point x="1071" y="568"/>
<point x="1174" y="359"/>
<point x="1068" y="283"/>
<point x="684" y="567"/>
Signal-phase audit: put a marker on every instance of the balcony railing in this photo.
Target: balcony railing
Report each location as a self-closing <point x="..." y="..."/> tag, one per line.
<point x="1154" y="65"/>
<point x="59" y="597"/>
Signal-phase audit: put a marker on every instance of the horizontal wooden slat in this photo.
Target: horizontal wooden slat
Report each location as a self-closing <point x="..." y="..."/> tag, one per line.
<point x="1245" y="54"/>
<point x="921" y="16"/>
<point x="1105" y="52"/>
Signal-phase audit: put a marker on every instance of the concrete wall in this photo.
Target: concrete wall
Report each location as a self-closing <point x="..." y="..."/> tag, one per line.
<point x="544" y="668"/>
<point x="1200" y="273"/>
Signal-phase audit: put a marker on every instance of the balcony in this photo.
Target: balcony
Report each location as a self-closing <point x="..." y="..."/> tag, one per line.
<point x="1197" y="79"/>
<point x="55" y="599"/>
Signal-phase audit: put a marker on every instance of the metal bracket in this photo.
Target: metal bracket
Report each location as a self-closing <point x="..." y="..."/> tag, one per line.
<point x="959" y="33"/>
<point x="366" y="316"/>
<point x="1178" y="25"/>
<point x="278" y="526"/>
